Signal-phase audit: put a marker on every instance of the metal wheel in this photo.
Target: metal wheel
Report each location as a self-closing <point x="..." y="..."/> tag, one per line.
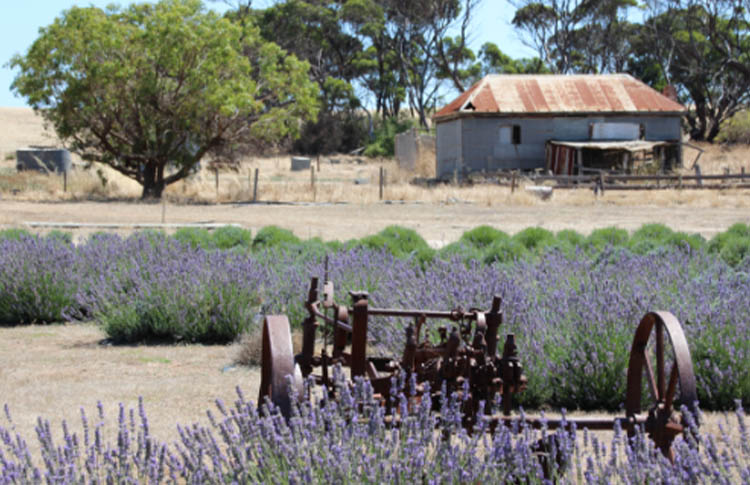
<point x="277" y="364"/>
<point x="665" y="368"/>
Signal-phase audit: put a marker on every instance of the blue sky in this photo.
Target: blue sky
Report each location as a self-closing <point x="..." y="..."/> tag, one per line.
<point x="21" y="20"/>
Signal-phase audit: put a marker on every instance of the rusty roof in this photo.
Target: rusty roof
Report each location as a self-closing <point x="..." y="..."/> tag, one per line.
<point x="557" y="93"/>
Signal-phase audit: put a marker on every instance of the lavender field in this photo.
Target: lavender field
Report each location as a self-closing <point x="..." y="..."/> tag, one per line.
<point x="574" y="313"/>
<point x="348" y="440"/>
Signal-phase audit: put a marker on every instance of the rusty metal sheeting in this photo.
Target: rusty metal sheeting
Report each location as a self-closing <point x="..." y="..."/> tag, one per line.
<point x="560" y="94"/>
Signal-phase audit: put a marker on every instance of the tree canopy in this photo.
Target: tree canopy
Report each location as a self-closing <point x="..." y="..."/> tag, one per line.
<point x="152" y="89"/>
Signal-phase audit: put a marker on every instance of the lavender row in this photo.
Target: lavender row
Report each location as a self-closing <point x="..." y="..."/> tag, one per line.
<point x="348" y="441"/>
<point x="574" y="314"/>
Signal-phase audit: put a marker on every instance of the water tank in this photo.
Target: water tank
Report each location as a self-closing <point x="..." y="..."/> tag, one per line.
<point x="43" y="159"/>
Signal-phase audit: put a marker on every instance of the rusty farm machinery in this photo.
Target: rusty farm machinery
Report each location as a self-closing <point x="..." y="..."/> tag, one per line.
<point x="464" y="357"/>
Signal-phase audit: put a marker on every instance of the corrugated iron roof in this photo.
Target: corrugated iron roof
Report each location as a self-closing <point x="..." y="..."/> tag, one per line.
<point x="556" y="93"/>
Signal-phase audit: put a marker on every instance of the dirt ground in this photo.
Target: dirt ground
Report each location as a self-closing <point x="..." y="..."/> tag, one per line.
<point x="438" y="224"/>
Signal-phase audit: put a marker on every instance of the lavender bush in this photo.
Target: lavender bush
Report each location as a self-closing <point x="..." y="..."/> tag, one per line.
<point x="574" y="312"/>
<point x="348" y="440"/>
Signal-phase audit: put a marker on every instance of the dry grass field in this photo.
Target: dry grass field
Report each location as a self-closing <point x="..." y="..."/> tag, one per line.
<point x="52" y="371"/>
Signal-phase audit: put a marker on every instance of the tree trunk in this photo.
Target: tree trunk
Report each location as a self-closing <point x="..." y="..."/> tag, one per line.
<point x="153" y="181"/>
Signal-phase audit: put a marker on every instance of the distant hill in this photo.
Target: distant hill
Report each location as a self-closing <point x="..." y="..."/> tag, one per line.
<point x="20" y="127"/>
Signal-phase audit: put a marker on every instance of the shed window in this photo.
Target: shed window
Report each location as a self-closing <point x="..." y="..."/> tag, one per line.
<point x="510" y="134"/>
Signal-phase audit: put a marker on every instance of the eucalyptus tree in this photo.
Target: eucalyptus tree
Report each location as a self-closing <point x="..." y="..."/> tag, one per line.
<point x="153" y="89"/>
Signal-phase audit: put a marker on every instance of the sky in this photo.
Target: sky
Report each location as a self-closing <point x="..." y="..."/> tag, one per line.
<point x="21" y="20"/>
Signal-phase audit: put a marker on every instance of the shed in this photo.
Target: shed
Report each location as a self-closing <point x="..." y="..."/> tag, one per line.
<point x="516" y="122"/>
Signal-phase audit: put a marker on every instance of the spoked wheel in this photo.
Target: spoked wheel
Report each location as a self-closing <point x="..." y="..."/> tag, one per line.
<point x="664" y="367"/>
<point x="278" y="363"/>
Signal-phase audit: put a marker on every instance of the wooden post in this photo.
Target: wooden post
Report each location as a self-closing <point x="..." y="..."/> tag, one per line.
<point x="600" y="182"/>
<point x="318" y="163"/>
<point x="255" y="186"/>
<point x="65" y="180"/>
<point x="163" y="209"/>
<point x="698" y="174"/>
<point x="312" y="180"/>
<point x="679" y="185"/>
<point x="382" y="181"/>
<point x="216" y="175"/>
<point x="742" y="172"/>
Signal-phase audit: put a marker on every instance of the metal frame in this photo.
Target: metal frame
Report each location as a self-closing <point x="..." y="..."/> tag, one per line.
<point x="467" y="357"/>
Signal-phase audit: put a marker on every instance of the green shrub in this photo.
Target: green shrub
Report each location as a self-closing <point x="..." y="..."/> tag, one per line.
<point x="482" y="236"/>
<point x="571" y="237"/>
<point x="195" y="237"/>
<point x="685" y="240"/>
<point x="402" y="241"/>
<point x="376" y="242"/>
<point x="62" y="236"/>
<point x="425" y="256"/>
<point x="273" y="236"/>
<point x="227" y="237"/>
<point x="736" y="129"/>
<point x="461" y="250"/>
<point x="534" y="238"/>
<point x="735" y="250"/>
<point x="504" y="251"/>
<point x="719" y="241"/>
<point x="384" y="137"/>
<point x="14" y="234"/>
<point x="654" y="231"/>
<point x="739" y="229"/>
<point x="608" y="236"/>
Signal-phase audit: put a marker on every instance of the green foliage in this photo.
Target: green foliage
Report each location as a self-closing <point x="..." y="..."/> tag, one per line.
<point x="228" y="237"/>
<point x="658" y="232"/>
<point x="534" y="238"/>
<point x="571" y="237"/>
<point x="14" y="234"/>
<point x="62" y="236"/>
<point x="735" y="250"/>
<point x="482" y="236"/>
<point x="147" y="85"/>
<point x="722" y="239"/>
<point x="736" y="129"/>
<point x="505" y="251"/>
<point x="402" y="241"/>
<point x="150" y="319"/>
<point x="608" y="236"/>
<point x="195" y="237"/>
<point x="685" y="240"/>
<point x="274" y="236"/>
<point x="461" y="250"/>
<point x="383" y="143"/>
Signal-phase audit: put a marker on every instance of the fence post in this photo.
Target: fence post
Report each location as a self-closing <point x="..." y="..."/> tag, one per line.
<point x="255" y="186"/>
<point x="216" y="175"/>
<point x="698" y="174"/>
<point x="382" y="181"/>
<point x="65" y="180"/>
<point x="600" y="183"/>
<point x="163" y="209"/>
<point x="312" y="180"/>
